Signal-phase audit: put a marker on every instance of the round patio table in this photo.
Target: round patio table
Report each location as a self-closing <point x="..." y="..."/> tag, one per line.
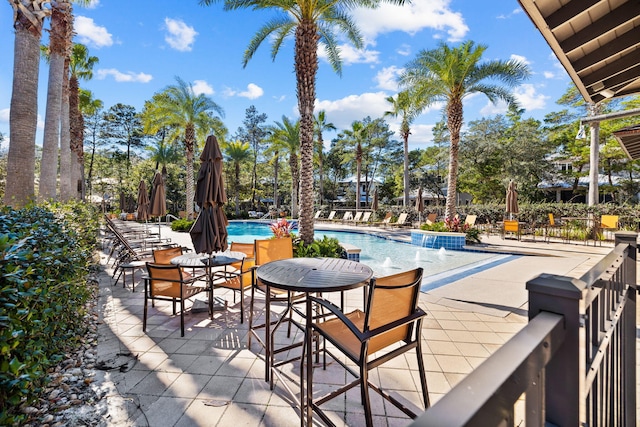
<point x="312" y="275"/>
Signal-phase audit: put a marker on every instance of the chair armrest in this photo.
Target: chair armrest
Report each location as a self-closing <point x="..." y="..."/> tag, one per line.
<point x="335" y="310"/>
<point x="416" y="315"/>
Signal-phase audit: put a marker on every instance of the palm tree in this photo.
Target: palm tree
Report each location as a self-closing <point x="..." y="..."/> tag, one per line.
<point x="311" y="23"/>
<point x="80" y="67"/>
<point x="238" y="152"/>
<point x="355" y="136"/>
<point x="405" y="106"/>
<point x="285" y="137"/>
<point x="28" y="18"/>
<point x="321" y="125"/>
<point x="448" y="74"/>
<point x="178" y="107"/>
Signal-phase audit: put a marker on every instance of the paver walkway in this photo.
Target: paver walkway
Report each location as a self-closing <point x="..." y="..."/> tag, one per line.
<point x="211" y="378"/>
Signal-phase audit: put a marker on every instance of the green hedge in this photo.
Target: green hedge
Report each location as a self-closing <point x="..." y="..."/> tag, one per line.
<point x="45" y="256"/>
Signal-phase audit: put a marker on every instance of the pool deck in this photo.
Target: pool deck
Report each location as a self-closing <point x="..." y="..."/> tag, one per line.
<point x="210" y="378"/>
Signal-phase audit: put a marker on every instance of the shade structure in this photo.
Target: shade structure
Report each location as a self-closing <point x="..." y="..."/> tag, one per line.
<point x="374" y="202"/>
<point x="209" y="232"/>
<point x="143" y="202"/>
<point x="512" y="199"/>
<point x="419" y="201"/>
<point x="158" y="202"/>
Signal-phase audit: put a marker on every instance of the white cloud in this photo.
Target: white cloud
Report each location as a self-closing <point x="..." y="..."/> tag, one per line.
<point x="119" y="76"/>
<point x="527" y="97"/>
<point x="91" y="34"/>
<point x="520" y="58"/>
<point x="201" y="86"/>
<point x="342" y="112"/>
<point x="411" y="18"/>
<point x="404" y="50"/>
<point x="92" y="4"/>
<point x="253" y="92"/>
<point x="350" y="55"/>
<point x="180" y="36"/>
<point x="549" y="75"/>
<point x="387" y="78"/>
<point x="513" y="12"/>
<point x="4" y="115"/>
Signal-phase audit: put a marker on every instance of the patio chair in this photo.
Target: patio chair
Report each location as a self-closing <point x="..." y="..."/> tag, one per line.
<point x="239" y="281"/>
<point x="386" y="220"/>
<point x="401" y="221"/>
<point x="470" y="220"/>
<point x="552" y="227"/>
<point x="389" y="326"/>
<point x="607" y="223"/>
<point x="348" y="216"/>
<point x="357" y="217"/>
<point x="265" y="251"/>
<point x="366" y="217"/>
<point x="511" y="226"/>
<point x="431" y="218"/>
<point x="331" y="216"/>
<point x="317" y="215"/>
<point x="167" y="283"/>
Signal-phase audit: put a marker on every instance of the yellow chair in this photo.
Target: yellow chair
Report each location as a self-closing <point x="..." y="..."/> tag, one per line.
<point x="551" y="226"/>
<point x="511" y="226"/>
<point x="389" y="326"/>
<point x="266" y="251"/>
<point x="607" y="223"/>
<point x="167" y="283"/>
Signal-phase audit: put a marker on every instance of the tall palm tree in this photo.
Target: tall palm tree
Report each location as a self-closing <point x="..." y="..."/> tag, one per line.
<point x="285" y="138"/>
<point x="355" y="137"/>
<point x="448" y="74"/>
<point x="238" y="152"/>
<point x="321" y="125"/>
<point x="80" y="68"/>
<point x="405" y="106"/>
<point x="178" y="107"/>
<point x="310" y="23"/>
<point x="28" y="18"/>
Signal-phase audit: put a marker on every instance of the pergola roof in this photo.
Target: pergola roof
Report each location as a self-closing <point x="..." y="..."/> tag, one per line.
<point x="597" y="42"/>
<point x="629" y="139"/>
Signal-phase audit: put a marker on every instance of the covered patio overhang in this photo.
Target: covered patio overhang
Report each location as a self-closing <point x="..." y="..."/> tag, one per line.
<point x="597" y="42"/>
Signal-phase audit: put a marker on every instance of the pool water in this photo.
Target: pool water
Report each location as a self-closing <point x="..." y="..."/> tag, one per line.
<point x="384" y="256"/>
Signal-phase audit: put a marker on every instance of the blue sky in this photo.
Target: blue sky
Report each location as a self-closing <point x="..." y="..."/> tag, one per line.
<point x="142" y="46"/>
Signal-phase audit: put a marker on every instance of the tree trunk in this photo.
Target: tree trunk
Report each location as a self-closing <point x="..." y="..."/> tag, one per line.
<point x="66" y="164"/>
<point x="51" y="141"/>
<point x="23" y="114"/>
<point x="275" y="181"/>
<point x="405" y="137"/>
<point x="454" y="123"/>
<point x="321" y="168"/>
<point x="237" y="197"/>
<point x="76" y="126"/>
<point x="358" y="172"/>
<point x="295" y="180"/>
<point x="306" y="65"/>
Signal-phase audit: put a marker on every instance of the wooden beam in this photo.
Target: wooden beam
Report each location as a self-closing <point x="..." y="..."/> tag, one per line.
<point x="569" y="11"/>
<point x="610" y="50"/>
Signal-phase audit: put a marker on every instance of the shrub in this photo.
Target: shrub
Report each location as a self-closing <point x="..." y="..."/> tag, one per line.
<point x="182" y="224"/>
<point x="327" y="247"/>
<point x="45" y="256"/>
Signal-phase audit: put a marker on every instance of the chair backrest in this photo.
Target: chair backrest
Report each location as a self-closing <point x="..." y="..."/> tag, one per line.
<point x="609" y="221"/>
<point x="317" y="215"/>
<point x="366" y="217"/>
<point x="387" y="218"/>
<point x="511" y="225"/>
<point x="470" y="220"/>
<point x="165" y="280"/>
<point x="249" y="249"/>
<point x="164" y="256"/>
<point x="273" y="249"/>
<point x="402" y="218"/>
<point x="431" y="218"/>
<point x="358" y="216"/>
<point x="392" y="298"/>
<point x="331" y="215"/>
<point x="347" y="216"/>
<point x="552" y="221"/>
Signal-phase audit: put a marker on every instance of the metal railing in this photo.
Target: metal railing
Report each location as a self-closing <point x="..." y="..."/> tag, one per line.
<point x="574" y="364"/>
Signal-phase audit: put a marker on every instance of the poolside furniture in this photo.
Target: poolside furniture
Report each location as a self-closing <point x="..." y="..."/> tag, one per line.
<point x="553" y="228"/>
<point x="365" y="218"/>
<point x="348" y="216"/>
<point x="317" y="215"/>
<point x="238" y="277"/>
<point x="470" y="220"/>
<point x="386" y="220"/>
<point x="607" y="223"/>
<point x="331" y="216"/>
<point x="431" y="218"/>
<point x="511" y="226"/>
<point x="357" y="217"/>
<point x="402" y="220"/>
<point x="389" y="326"/>
<point x="167" y="283"/>
<point x="268" y="250"/>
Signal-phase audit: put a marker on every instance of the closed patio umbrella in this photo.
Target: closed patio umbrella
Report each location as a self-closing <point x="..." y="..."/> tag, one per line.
<point x="512" y="199"/>
<point x="209" y="232"/>
<point x="158" y="202"/>
<point x="374" y="203"/>
<point x="143" y="202"/>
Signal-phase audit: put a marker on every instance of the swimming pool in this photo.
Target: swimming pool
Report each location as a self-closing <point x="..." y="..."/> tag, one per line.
<point x="386" y="256"/>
